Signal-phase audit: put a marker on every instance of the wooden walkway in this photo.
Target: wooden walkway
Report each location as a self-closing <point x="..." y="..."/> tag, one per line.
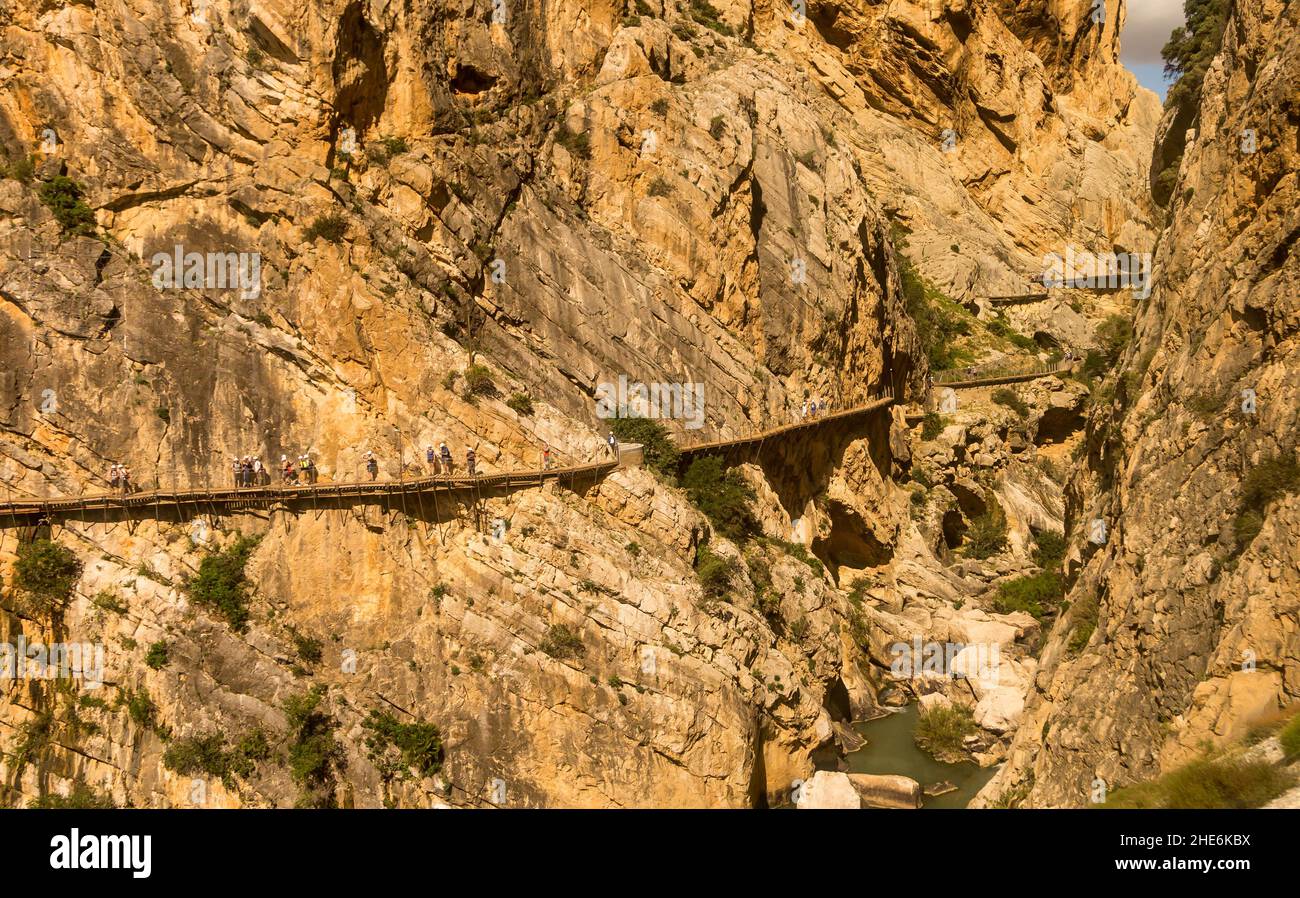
<point x="1009" y="377"/>
<point x="407" y="494"/>
<point x="1017" y="299"/>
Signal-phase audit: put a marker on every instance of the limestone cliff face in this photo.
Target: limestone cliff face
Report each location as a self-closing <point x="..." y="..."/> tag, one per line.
<point x="564" y="196"/>
<point x="1197" y="633"/>
<point x="995" y="132"/>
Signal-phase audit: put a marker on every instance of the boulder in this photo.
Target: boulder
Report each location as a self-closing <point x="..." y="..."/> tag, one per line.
<point x="886" y="791"/>
<point x="828" y="790"/>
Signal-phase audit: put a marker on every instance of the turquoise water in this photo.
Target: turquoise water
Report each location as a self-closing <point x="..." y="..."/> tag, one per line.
<point x="890" y="749"/>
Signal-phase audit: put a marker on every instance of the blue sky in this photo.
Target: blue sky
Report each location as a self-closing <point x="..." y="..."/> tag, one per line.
<point x="1145" y="32"/>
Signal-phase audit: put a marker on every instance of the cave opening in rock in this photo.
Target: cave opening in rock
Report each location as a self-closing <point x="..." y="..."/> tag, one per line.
<point x="470" y="80"/>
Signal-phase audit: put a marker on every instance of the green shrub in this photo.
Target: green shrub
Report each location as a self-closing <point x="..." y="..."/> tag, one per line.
<point x="707" y="15"/>
<point x="139" y="707"/>
<point x="478" y="381"/>
<point x="722" y="495"/>
<point x="397" y="748"/>
<point x="63" y="197"/>
<point x="939" y="320"/>
<point x="659" y="107"/>
<point x="1269" y="480"/>
<point x="22" y="170"/>
<point x="386" y="148"/>
<point x="80" y="797"/>
<point x="314" y="754"/>
<point x="1208" y="783"/>
<point x="800" y="552"/>
<point x="209" y="755"/>
<point x="659" y="187"/>
<point x="1036" y="594"/>
<point x="1083" y="621"/>
<point x="330" y="227"/>
<point x="931" y="426"/>
<point x="521" y="404"/>
<point x="1049" y="548"/>
<point x="577" y="143"/>
<point x="220" y="584"/>
<point x="716" y="127"/>
<point x="1011" y="399"/>
<point x="942" y="730"/>
<point x="714" y="572"/>
<point x="156" y="657"/>
<point x="309" y="649"/>
<point x="561" y="642"/>
<point x="1000" y="327"/>
<point x="659" y="453"/>
<point x="44" y="576"/>
<point x="1289" y="737"/>
<point x="987" y="534"/>
<point x="1114" y="334"/>
<point x="1191" y="48"/>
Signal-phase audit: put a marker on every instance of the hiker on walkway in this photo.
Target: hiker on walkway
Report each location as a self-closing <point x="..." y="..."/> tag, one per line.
<point x="804" y="411"/>
<point x="287" y="472"/>
<point x="431" y="460"/>
<point x="246" y="471"/>
<point x="234" y="468"/>
<point x="372" y="465"/>
<point x="445" y="454"/>
<point x="308" y="468"/>
<point x="304" y="469"/>
<point x="258" y="470"/>
<point x="612" y="442"/>
<point x="471" y="460"/>
<point x="546" y="456"/>
<point x="124" y="474"/>
<point x="812" y="408"/>
<point x="112" y="476"/>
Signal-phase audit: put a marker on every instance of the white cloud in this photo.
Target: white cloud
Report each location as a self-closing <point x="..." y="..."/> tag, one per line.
<point x="1147" y="29"/>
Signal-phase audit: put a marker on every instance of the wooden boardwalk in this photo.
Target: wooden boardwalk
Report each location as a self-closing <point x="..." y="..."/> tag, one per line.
<point x="180" y="502"/>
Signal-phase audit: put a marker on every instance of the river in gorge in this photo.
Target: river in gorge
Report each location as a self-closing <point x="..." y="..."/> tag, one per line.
<point x="890" y="749"/>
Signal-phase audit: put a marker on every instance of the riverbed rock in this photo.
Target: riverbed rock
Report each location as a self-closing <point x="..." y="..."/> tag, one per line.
<point x="886" y="791"/>
<point x="829" y="790"/>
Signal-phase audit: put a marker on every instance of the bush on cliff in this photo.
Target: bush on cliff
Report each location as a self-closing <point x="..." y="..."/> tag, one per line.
<point x="1208" y="783"/>
<point x="221" y="585"/>
<point x="987" y="534"/>
<point x="397" y="748"/>
<point x="1269" y="480"/>
<point x="723" y="496"/>
<point x="63" y="197"/>
<point x="658" y="451"/>
<point x="44" y="576"/>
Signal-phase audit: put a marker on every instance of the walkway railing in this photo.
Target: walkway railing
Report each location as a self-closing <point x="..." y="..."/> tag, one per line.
<point x="26" y="511"/>
<point x="998" y="373"/>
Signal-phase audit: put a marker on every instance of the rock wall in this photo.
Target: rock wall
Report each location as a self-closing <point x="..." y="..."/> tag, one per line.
<point x="1197" y="634"/>
<point x="563" y="195"/>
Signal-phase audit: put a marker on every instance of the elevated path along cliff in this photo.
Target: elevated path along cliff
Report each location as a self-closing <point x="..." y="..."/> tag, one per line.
<point x="408" y="493"/>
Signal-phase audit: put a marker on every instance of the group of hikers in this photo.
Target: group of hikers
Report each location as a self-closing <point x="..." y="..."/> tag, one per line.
<point x="814" y="405"/>
<point x="248" y="470"/>
<point x="439" y="462"/>
<point x="119" y="478"/>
